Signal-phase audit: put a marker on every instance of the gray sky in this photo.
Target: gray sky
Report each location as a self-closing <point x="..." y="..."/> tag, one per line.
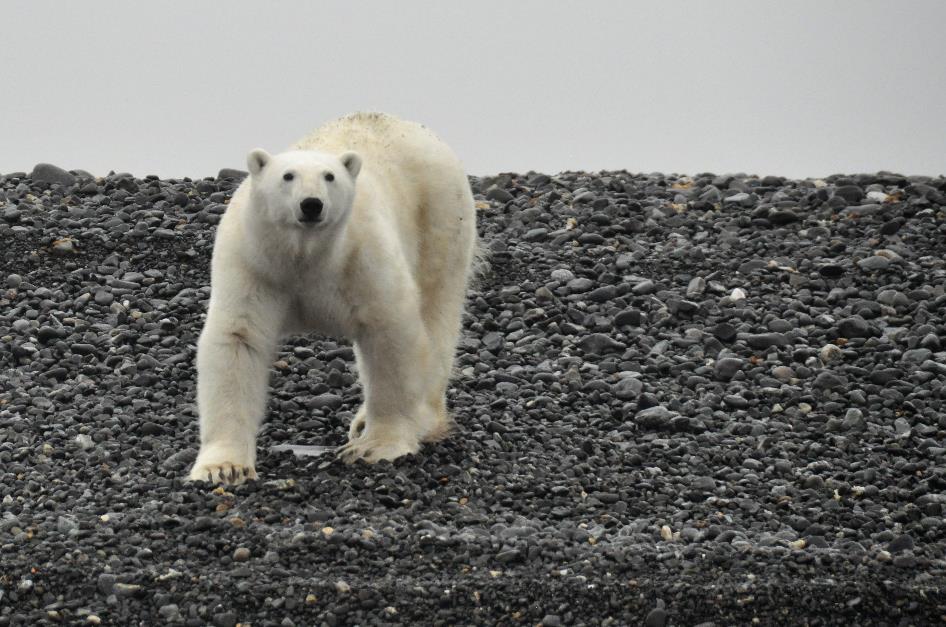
<point x="183" y="88"/>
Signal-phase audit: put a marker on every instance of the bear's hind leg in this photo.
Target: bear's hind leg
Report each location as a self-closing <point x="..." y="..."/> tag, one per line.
<point x="444" y="421"/>
<point x="394" y="368"/>
<point x="443" y="319"/>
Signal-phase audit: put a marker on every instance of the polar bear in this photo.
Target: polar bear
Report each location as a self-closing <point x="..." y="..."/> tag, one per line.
<point x="365" y="229"/>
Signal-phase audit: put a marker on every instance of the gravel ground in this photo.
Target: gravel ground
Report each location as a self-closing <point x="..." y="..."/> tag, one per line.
<point x="707" y="400"/>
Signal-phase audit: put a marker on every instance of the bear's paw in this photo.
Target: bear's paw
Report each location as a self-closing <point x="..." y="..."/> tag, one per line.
<point x="221" y="466"/>
<point x="375" y="449"/>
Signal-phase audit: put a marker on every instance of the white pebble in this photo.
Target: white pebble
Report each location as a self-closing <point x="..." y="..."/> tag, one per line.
<point x="562" y="275"/>
<point x="830" y="353"/>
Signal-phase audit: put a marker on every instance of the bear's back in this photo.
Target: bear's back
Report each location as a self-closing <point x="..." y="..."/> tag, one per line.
<point x="372" y="135"/>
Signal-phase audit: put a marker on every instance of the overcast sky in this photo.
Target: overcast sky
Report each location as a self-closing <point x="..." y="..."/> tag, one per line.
<point x="787" y="87"/>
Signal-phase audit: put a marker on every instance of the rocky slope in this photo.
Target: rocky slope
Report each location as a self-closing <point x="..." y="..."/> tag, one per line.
<point x="680" y="400"/>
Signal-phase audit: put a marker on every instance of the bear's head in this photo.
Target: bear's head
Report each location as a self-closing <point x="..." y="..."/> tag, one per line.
<point x="303" y="189"/>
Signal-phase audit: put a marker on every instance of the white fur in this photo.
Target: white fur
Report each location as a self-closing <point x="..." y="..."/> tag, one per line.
<point x="387" y="267"/>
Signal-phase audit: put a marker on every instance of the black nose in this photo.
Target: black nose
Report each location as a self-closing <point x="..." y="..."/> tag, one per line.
<point x="311" y="209"/>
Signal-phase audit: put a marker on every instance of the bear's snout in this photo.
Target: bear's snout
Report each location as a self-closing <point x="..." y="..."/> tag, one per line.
<point x="311" y="209"/>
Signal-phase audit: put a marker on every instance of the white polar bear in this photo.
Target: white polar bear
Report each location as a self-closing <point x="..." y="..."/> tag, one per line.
<point x="365" y="229"/>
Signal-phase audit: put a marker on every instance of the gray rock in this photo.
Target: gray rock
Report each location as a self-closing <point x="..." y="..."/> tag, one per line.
<point x="179" y="460"/>
<point x="783" y="216"/>
<point x="579" y="285"/>
<point x="67" y="523"/>
<point x="644" y="287"/>
<point x="850" y="193"/>
<point x="536" y="235"/>
<point x="657" y="617"/>
<point x="696" y="287"/>
<point x="602" y="294"/>
<point x="103" y="297"/>
<point x="916" y="355"/>
<point x="628" y="317"/>
<point x="727" y="367"/>
<point x="81" y="348"/>
<point x="658" y="417"/>
<point x="740" y="198"/>
<point x="230" y="173"/>
<point x="932" y="366"/>
<point x="628" y="388"/>
<point x="684" y="307"/>
<point x="498" y="194"/>
<point x="830" y="353"/>
<point x="11" y="214"/>
<point x="893" y="298"/>
<point x="171" y="613"/>
<point x="600" y="344"/>
<point x="704" y="483"/>
<point x="736" y="402"/>
<point x="829" y="381"/>
<point x="48" y="173"/>
<point x="106" y="582"/>
<point x="325" y="401"/>
<point x="493" y="341"/>
<point x="864" y="210"/>
<point x="902" y="427"/>
<point x="150" y="428"/>
<point x="901" y="543"/>
<point x="767" y="340"/>
<point x="562" y="275"/>
<point x="724" y="332"/>
<point x="855" y="326"/>
<point x="780" y="325"/>
<point x="853" y="420"/>
<point x="873" y="263"/>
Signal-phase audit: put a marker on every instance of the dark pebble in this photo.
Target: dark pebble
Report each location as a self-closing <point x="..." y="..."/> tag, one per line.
<point x="767" y="340"/>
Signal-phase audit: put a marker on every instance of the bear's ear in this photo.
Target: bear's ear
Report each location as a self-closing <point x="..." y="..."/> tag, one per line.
<point x="257" y="160"/>
<point x="352" y="163"/>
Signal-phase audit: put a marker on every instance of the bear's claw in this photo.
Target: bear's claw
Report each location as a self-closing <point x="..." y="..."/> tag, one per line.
<point x="373" y="451"/>
<point x="225" y="473"/>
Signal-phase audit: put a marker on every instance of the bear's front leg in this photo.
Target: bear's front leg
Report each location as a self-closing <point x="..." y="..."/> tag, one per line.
<point x="233" y="362"/>
<point x="394" y="362"/>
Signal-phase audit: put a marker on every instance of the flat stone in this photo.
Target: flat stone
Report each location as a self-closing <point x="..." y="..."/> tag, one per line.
<point x="767" y="340"/>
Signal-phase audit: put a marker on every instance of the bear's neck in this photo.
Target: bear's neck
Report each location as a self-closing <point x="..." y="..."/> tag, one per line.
<point x="288" y="256"/>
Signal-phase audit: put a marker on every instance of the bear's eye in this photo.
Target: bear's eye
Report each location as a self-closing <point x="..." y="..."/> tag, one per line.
<point x="329" y="177"/>
<point x="288" y="176"/>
